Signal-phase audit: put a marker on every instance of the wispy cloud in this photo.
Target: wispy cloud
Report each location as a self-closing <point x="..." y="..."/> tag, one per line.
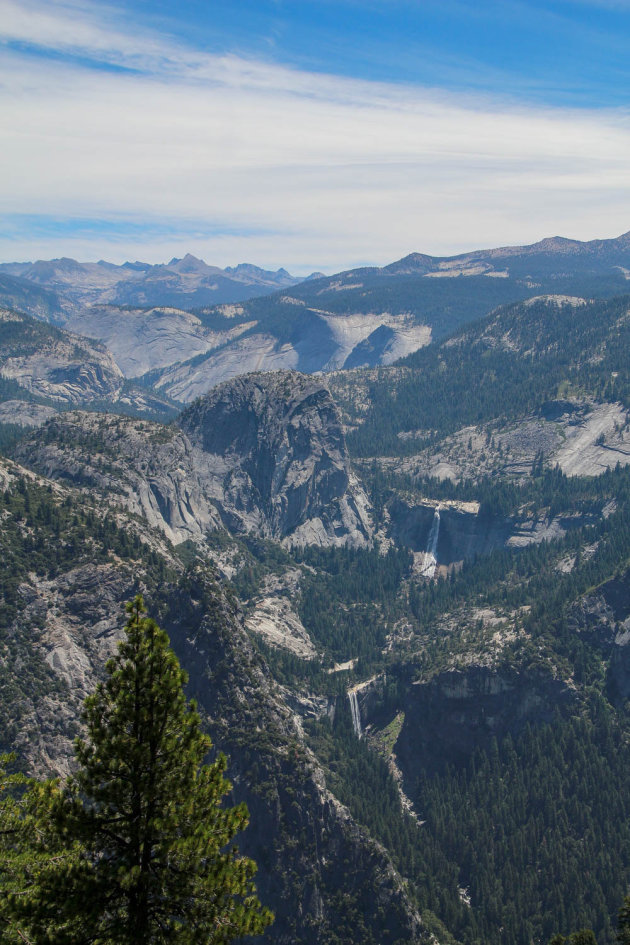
<point x="232" y="158"/>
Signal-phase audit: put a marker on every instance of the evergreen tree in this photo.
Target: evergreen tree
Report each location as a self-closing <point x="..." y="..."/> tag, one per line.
<point x="581" y="937"/>
<point x="147" y="813"/>
<point x="623" y="925"/>
<point x="28" y="841"/>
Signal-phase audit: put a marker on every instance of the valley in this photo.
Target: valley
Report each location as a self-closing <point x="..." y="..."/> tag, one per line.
<point x="401" y="590"/>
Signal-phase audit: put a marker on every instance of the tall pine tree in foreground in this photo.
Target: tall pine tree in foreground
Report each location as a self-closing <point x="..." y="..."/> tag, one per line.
<point x="156" y="866"/>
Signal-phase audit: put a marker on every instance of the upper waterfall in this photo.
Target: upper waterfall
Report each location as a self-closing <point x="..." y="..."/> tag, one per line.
<point x="430" y="559"/>
<point x="356" y="712"/>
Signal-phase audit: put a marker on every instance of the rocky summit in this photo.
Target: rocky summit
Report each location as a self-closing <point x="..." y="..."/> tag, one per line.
<point x="263" y="454"/>
<point x="274" y="445"/>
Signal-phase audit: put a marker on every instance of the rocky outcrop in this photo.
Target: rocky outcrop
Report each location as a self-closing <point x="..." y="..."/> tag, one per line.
<point x="317" y="869"/>
<point x="450" y="716"/>
<point x="263" y="454"/>
<point x="25" y="414"/>
<point x="273" y="445"/>
<point x="55" y="364"/>
<point x="145" y="467"/>
<point x="75" y="621"/>
<point x="463" y="531"/>
<point x="602" y="618"/>
<point x="272" y="615"/>
<point x="66" y="369"/>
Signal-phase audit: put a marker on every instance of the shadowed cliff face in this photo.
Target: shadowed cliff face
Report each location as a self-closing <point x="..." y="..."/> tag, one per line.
<point x="463" y="533"/>
<point x="603" y="617"/>
<point x="447" y="718"/>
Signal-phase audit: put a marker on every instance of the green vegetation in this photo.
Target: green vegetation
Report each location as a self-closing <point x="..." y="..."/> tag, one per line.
<point x="443" y="388"/>
<point x="10" y="434"/>
<point x="506" y="841"/>
<point x="351" y="599"/>
<point x="523" y="832"/>
<point x="139" y="832"/>
<point x="44" y="534"/>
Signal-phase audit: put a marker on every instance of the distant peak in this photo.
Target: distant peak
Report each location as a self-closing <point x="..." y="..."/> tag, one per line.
<point x="414" y="262"/>
<point x="189" y="263"/>
<point x="249" y="271"/>
<point x="137" y="266"/>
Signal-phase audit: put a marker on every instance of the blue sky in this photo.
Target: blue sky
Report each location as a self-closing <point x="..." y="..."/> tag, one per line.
<point x="310" y="134"/>
<point x="571" y="53"/>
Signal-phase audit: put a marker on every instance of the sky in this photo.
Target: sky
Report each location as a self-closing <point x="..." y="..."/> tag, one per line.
<point x="310" y="134"/>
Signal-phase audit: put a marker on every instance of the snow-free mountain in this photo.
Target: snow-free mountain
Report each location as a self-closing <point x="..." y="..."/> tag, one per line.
<point x="182" y="328"/>
<point x="188" y="282"/>
<point x="401" y="591"/>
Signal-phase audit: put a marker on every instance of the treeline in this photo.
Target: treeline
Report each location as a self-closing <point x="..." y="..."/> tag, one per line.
<point x="546" y="490"/>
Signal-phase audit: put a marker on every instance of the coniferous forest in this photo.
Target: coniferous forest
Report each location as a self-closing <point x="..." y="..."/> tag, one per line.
<point x="480" y="631"/>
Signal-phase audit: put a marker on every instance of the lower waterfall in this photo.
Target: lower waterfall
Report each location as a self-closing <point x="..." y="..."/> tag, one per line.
<point x="430" y="560"/>
<point x="356" y="712"/>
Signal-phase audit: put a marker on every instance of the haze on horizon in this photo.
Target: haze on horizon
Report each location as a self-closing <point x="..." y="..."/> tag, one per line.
<point x="311" y="135"/>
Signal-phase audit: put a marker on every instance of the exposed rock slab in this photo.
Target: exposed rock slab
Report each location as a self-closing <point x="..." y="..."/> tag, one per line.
<point x="256" y="352"/>
<point x="598" y="444"/>
<point x="274" y="618"/>
<point x="24" y="413"/>
<point x="55" y="364"/>
<point x="582" y="437"/>
<point x="143" y="340"/>
<point x="273" y="446"/>
<point x="263" y="454"/>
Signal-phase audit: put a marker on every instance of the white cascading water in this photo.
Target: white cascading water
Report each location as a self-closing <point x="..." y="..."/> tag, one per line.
<point x="356" y="712"/>
<point x="430" y="559"/>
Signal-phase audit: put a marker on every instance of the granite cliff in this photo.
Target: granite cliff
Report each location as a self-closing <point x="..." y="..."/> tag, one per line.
<point x="320" y="872"/>
<point x="263" y="454"/>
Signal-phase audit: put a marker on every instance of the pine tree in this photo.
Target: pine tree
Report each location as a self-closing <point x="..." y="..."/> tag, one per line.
<point x="148" y="816"/>
<point x="623" y="924"/>
<point x="29" y="843"/>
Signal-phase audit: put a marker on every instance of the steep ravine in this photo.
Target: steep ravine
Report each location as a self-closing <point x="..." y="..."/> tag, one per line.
<point x="326" y="880"/>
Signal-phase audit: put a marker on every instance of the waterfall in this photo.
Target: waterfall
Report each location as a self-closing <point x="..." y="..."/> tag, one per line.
<point x="430" y="560"/>
<point x="356" y="713"/>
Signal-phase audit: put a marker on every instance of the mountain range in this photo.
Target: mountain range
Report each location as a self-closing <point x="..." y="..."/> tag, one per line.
<point x="188" y="282"/>
<point x="184" y="327"/>
<point x="401" y="590"/>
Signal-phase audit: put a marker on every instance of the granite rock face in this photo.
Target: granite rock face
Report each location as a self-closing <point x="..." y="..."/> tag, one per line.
<point x="145" y="467"/>
<point x="51" y="363"/>
<point x="66" y="369"/>
<point x="264" y="454"/>
<point x="274" y="446"/>
<point x="603" y="618"/>
<point x="317" y="867"/>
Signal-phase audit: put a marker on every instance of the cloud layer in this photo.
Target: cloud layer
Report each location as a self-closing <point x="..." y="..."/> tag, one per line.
<point x="177" y="150"/>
